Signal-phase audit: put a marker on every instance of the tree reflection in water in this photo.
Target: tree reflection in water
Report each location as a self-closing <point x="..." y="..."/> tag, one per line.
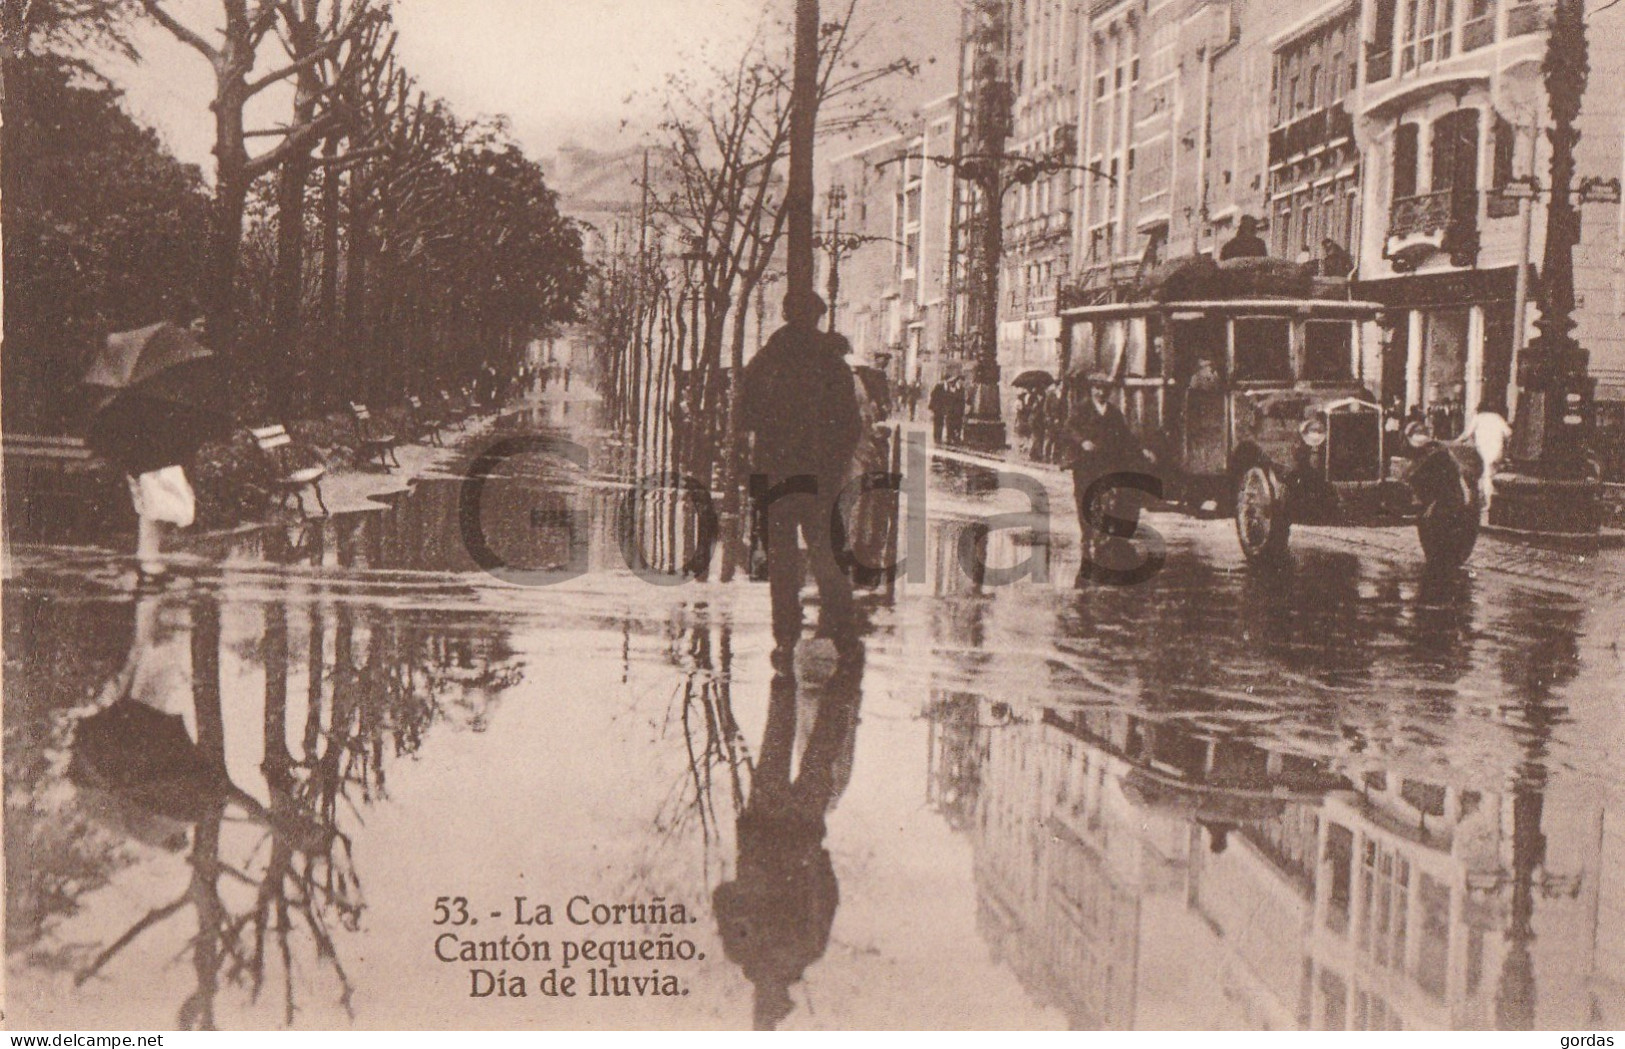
<point x="271" y="882"/>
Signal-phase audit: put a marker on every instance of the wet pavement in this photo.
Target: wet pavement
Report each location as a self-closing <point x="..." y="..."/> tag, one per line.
<point x="1344" y="795"/>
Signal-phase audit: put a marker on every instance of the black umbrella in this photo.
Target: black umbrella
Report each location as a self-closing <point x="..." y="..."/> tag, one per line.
<point x="138" y="767"/>
<point x="160" y="398"/>
<point x="144" y="756"/>
<point x="1032" y="380"/>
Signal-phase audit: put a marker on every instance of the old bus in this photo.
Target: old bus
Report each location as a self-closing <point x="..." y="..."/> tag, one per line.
<point x="1263" y="406"/>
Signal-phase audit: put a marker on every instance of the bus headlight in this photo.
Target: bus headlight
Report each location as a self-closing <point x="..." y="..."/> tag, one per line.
<point x="1313" y="432"/>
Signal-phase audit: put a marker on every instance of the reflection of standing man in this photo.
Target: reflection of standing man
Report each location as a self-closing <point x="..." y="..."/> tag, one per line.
<point x="774" y="917"/>
<point x="799" y="404"/>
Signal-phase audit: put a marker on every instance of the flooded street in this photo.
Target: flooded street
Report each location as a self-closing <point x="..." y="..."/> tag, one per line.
<point x="1343" y="796"/>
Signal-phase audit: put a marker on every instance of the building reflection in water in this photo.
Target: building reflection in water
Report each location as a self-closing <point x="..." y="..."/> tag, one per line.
<point x="243" y="740"/>
<point x="1143" y="871"/>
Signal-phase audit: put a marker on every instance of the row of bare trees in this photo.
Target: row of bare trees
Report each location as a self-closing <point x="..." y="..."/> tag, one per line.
<point x="385" y="244"/>
<point x="675" y="312"/>
<point x="358" y="238"/>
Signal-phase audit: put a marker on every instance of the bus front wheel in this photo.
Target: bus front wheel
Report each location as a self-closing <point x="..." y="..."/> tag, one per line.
<point x="1262" y="521"/>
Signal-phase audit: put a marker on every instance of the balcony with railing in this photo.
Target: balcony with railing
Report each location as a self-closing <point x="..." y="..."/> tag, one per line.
<point x="1099" y="284"/>
<point x="1446" y="220"/>
<point x="1310" y="132"/>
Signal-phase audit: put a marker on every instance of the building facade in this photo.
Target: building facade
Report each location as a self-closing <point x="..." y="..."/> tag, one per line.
<point x="1375" y="139"/>
<point x="1038" y="212"/>
<point x="1449" y="113"/>
<point x="888" y="240"/>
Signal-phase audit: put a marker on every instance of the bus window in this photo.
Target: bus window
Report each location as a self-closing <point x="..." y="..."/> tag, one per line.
<point x="1109" y="339"/>
<point x="1097" y="347"/>
<point x="1194" y="341"/>
<point x="1134" y="347"/>
<point x="1263" y="349"/>
<point x="1328" y="351"/>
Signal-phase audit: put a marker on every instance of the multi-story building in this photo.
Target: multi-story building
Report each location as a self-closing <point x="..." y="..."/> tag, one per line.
<point x="1107" y="238"/>
<point x="888" y="240"/>
<point x="1038" y="213"/>
<point x="1448" y="112"/>
<point x="1314" y="162"/>
<point x="1374" y="137"/>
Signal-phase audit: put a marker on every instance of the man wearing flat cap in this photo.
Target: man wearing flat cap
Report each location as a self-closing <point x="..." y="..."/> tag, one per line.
<point x="798" y="403"/>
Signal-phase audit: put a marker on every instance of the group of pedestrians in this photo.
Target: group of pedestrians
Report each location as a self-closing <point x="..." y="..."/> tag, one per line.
<point x="947" y="403"/>
<point x="1041" y="418"/>
<point x="908" y="397"/>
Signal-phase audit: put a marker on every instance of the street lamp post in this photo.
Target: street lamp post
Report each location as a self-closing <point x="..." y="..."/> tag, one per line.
<point x="993" y="174"/>
<point x="1550" y="488"/>
<point x="835" y="207"/>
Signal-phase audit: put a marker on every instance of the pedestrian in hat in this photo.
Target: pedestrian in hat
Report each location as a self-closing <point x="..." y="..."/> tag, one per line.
<point x="1098" y="444"/>
<point x="1246" y="244"/>
<point x="955" y="410"/>
<point x="800" y="407"/>
<point x="937" y="405"/>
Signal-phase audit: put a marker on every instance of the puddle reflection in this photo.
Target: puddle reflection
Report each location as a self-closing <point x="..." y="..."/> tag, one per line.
<point x="1340" y="796"/>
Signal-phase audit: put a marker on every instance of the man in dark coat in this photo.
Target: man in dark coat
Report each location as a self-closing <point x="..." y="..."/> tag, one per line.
<point x="1246" y="244"/>
<point x="1099" y="443"/>
<point x="937" y="404"/>
<point x="1334" y="260"/>
<point x="800" y="406"/>
<point x="954" y="431"/>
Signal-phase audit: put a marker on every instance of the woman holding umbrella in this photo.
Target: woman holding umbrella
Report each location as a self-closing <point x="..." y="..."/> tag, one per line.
<point x="158" y="403"/>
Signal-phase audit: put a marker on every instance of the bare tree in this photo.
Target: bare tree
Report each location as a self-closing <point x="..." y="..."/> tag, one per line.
<point x="726" y="142"/>
<point x="236" y="58"/>
<point x="318" y="107"/>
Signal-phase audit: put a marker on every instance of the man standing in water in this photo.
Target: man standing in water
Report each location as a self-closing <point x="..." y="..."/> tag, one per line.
<point x="798" y="403"/>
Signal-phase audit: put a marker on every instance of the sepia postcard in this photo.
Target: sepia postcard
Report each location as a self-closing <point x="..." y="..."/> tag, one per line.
<point x="816" y="514"/>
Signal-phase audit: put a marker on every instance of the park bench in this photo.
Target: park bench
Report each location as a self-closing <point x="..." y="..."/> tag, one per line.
<point x="422" y="425"/>
<point x="373" y="439"/>
<point x="47" y="450"/>
<point x="52" y="480"/>
<point x="290" y="480"/>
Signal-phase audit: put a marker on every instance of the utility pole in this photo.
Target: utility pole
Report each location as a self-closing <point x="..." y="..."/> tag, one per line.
<point x="798" y="195"/>
<point x="1550" y="489"/>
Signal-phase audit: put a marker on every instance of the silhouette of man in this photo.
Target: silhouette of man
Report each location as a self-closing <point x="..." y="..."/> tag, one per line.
<point x="955" y="409"/>
<point x="798" y="402"/>
<point x="937" y="404"/>
<point x="1246" y="244"/>
<point x="774" y="917"/>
